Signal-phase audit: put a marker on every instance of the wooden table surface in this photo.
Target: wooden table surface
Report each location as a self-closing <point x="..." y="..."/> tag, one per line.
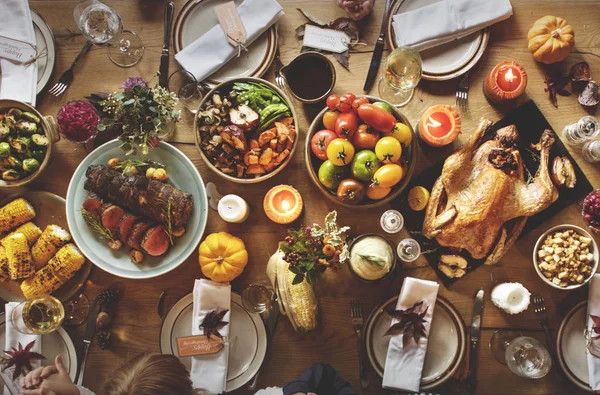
<point x="137" y="325"/>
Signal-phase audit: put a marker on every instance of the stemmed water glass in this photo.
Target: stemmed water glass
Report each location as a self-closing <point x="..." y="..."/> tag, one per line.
<point x="403" y="70"/>
<point x="102" y="26"/>
<point x="187" y="88"/>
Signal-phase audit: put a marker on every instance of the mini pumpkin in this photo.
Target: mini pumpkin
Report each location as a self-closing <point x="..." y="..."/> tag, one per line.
<point x="550" y="39"/>
<point x="222" y="257"/>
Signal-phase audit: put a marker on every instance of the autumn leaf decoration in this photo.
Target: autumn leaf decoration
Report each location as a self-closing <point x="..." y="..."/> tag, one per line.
<point x="412" y="323"/>
<point x="212" y="323"/>
<point x="20" y="358"/>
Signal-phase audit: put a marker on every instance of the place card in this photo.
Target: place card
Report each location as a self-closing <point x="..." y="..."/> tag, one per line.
<point x="231" y="23"/>
<point x="198" y="345"/>
<point x="15" y="50"/>
<point x="326" y="39"/>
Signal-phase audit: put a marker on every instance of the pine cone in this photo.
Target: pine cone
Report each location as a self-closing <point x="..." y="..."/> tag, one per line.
<point x="108" y="297"/>
<point x="103" y="339"/>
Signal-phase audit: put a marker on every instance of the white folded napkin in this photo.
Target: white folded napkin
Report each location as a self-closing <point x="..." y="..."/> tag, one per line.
<point x="404" y="366"/>
<point x="18" y="82"/>
<point x="209" y="372"/>
<point x="212" y="51"/>
<point x="446" y="21"/>
<point x="594" y="309"/>
<point x="13" y="338"/>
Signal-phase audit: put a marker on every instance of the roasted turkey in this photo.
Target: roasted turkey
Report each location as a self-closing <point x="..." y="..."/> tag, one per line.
<point x="482" y="200"/>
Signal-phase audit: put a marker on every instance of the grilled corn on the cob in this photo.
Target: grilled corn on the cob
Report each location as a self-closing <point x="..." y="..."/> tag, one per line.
<point x="15" y="213"/>
<point x="31" y="231"/>
<point x="66" y="262"/>
<point x="43" y="282"/>
<point x="49" y="242"/>
<point x="4" y="274"/>
<point x="20" y="263"/>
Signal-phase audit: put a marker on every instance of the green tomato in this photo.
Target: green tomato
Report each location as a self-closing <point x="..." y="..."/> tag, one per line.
<point x="364" y="165"/>
<point x="330" y="175"/>
<point x="385" y="106"/>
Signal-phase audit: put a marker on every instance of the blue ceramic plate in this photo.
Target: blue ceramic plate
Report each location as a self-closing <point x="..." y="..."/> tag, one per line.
<point x="182" y="175"/>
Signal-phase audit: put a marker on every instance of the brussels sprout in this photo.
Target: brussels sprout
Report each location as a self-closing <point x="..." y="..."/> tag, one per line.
<point x="4" y="149"/>
<point x="40" y="140"/>
<point x="5" y="164"/>
<point x="10" y="121"/>
<point x="10" y="175"/>
<point x="15" y="162"/>
<point x="38" y="154"/>
<point x="20" y="144"/>
<point x="4" y="130"/>
<point x="29" y="116"/>
<point x="26" y="127"/>
<point x="30" y="165"/>
<point x="15" y="113"/>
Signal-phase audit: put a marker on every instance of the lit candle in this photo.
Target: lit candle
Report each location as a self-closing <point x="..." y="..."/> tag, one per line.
<point x="439" y="125"/>
<point x="506" y="82"/>
<point x="233" y="208"/>
<point x="283" y="204"/>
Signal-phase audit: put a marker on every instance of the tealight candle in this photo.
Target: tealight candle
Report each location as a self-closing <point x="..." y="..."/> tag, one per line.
<point x="506" y="82"/>
<point x="283" y="204"/>
<point x="513" y="298"/>
<point x="233" y="209"/>
<point x="439" y="125"/>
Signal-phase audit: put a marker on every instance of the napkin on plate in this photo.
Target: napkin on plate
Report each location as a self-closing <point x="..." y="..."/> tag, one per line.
<point x="446" y="21"/>
<point x="212" y="51"/>
<point x="209" y="372"/>
<point x="594" y="309"/>
<point x="18" y="82"/>
<point x="404" y="366"/>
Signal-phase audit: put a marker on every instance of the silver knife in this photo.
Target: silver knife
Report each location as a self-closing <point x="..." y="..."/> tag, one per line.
<point x="163" y="78"/>
<point x="88" y="338"/>
<point x="475" y="334"/>
<point x="378" y="51"/>
<point x="270" y="323"/>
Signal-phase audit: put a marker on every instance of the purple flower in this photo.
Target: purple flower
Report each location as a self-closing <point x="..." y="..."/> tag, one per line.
<point x="133" y="81"/>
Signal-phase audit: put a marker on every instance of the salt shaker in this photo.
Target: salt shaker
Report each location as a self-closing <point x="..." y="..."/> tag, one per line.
<point x="578" y="133"/>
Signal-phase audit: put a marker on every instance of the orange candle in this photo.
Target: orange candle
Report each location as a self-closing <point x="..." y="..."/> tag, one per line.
<point x="439" y="125"/>
<point x="283" y="204"/>
<point x="506" y="82"/>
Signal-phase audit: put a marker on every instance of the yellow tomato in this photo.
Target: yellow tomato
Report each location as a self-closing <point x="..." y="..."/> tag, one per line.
<point x="418" y="197"/>
<point x="329" y="119"/>
<point x="402" y="133"/>
<point x="377" y="192"/>
<point x="340" y="152"/>
<point x="388" y="175"/>
<point x="388" y="150"/>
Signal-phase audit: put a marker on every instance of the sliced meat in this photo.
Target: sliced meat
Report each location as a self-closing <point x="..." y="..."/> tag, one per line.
<point x="156" y="241"/>
<point x="137" y="234"/>
<point x="126" y="226"/>
<point x="111" y="218"/>
<point x="93" y="204"/>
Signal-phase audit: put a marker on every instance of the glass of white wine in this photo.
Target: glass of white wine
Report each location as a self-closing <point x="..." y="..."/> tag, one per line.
<point x="403" y="70"/>
<point x="38" y="315"/>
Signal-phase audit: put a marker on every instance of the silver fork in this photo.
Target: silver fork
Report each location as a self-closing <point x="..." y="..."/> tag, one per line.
<point x="279" y="79"/>
<point x="462" y="91"/>
<point x="67" y="77"/>
<point x="356" y="311"/>
<point x="539" y="307"/>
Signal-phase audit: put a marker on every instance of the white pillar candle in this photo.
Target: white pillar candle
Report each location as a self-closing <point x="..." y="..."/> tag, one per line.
<point x="233" y="208"/>
<point x="513" y="298"/>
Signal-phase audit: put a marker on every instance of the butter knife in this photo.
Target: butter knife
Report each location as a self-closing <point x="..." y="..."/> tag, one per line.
<point x="271" y="324"/>
<point x="88" y="338"/>
<point x="378" y="51"/>
<point x="475" y="336"/>
<point x="163" y="78"/>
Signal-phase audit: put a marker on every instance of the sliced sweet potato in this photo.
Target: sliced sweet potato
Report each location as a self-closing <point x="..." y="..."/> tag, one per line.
<point x="270" y="167"/>
<point x="254" y="144"/>
<point x="282" y="156"/>
<point x="287" y="121"/>
<point x="250" y="158"/>
<point x="273" y="144"/>
<point x="265" y="137"/>
<point x="266" y="157"/>
<point x="255" y="169"/>
<point x="289" y="144"/>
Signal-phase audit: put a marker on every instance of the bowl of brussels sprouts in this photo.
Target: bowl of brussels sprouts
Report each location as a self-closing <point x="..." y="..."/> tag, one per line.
<point x="26" y="139"/>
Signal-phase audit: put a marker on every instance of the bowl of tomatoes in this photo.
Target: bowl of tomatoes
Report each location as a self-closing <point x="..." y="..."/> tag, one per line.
<point x="360" y="151"/>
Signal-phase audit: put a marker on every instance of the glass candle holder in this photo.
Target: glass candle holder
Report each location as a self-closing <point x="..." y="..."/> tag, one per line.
<point x="506" y="82"/>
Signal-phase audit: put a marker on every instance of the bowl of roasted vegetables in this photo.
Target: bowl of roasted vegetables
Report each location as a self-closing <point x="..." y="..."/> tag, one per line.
<point x="26" y="139"/>
<point x="360" y="151"/>
<point x="246" y="130"/>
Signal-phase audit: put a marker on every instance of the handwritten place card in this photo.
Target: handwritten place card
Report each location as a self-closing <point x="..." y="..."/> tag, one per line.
<point x="325" y="39"/>
<point x="15" y="50"/>
<point x="13" y="386"/>
<point x="231" y="23"/>
<point x="198" y="345"/>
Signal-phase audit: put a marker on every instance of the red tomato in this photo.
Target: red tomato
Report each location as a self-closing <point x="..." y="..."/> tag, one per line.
<point x="333" y="101"/>
<point x="329" y="119"/>
<point x="365" y="137"/>
<point x="320" y="141"/>
<point x="359" y="102"/>
<point x="346" y="102"/>
<point x="346" y="125"/>
<point x="377" y="118"/>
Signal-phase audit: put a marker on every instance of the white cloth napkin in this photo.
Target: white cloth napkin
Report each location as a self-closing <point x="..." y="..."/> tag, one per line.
<point x="404" y="366"/>
<point x="18" y="82"/>
<point x="446" y="21"/>
<point x="209" y="372"/>
<point x="14" y="337"/>
<point x="594" y="309"/>
<point x="212" y="51"/>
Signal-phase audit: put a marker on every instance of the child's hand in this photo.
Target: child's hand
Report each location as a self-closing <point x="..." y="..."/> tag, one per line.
<point x="357" y="9"/>
<point x="49" y="380"/>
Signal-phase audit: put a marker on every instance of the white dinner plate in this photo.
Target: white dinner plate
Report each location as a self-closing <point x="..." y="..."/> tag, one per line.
<point x="444" y="61"/>
<point x="198" y="17"/>
<point x="446" y="342"/>
<point x="182" y="175"/>
<point x="571" y="346"/>
<point x="247" y="335"/>
<point x="49" y="209"/>
<point x="44" y="39"/>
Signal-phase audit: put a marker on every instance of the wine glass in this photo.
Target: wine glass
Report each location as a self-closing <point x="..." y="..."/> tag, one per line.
<point x="187" y="88"/>
<point x="258" y="298"/>
<point x="38" y="315"/>
<point x="102" y="26"/>
<point x="403" y="70"/>
<point x="526" y="357"/>
<point x="77" y="310"/>
<point x="500" y="341"/>
<point x="408" y="250"/>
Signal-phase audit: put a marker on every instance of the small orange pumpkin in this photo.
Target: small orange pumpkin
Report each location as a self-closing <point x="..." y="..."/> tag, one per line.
<point x="550" y="39"/>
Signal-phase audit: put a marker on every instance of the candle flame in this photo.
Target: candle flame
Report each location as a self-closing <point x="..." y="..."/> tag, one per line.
<point x="432" y="123"/>
<point x="285" y="205"/>
<point x="509" y="76"/>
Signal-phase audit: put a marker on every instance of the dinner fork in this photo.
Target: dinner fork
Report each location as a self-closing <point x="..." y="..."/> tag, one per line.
<point x="279" y="78"/>
<point x="356" y="311"/>
<point x="539" y="307"/>
<point x="67" y="77"/>
<point x="462" y="91"/>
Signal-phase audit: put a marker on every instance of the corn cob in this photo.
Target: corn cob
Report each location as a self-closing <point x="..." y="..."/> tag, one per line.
<point x="4" y="274"/>
<point x="66" y="262"/>
<point x="302" y="303"/>
<point x="43" y="282"/>
<point x="31" y="231"/>
<point x="20" y="263"/>
<point x="48" y="244"/>
<point x="15" y="213"/>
